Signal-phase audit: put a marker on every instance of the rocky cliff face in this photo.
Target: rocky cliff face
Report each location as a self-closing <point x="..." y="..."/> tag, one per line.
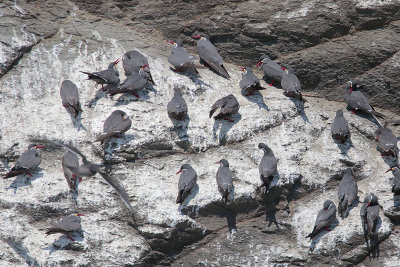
<point x="44" y="43"/>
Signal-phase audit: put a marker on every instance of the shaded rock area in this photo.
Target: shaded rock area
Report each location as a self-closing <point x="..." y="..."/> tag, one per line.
<point x="45" y="42"/>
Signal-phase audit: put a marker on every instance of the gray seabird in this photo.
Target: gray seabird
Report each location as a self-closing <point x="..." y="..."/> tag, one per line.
<point x="347" y="193"/>
<point x="369" y="213"/>
<point x="187" y="181"/>
<point x="67" y="225"/>
<point x="340" y="128"/>
<point x="291" y="84"/>
<point x="224" y="180"/>
<point x="70" y="162"/>
<point x="27" y="162"/>
<point x="108" y="76"/>
<point x="115" y="125"/>
<point x="70" y="97"/>
<point x="133" y="61"/>
<point x="396" y="179"/>
<point x="210" y="55"/>
<point x="249" y="81"/>
<point x="181" y="59"/>
<point x="356" y="100"/>
<point x="271" y="69"/>
<point x="229" y="106"/>
<point x="325" y="218"/>
<point x="177" y="108"/>
<point x="387" y="142"/>
<point x="133" y="83"/>
<point x="267" y="167"/>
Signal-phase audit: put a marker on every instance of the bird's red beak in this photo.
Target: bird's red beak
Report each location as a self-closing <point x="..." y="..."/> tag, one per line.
<point x="40" y="146"/>
<point x="171" y="42"/>
<point x="258" y="64"/>
<point x="242" y="69"/>
<point x="145" y="66"/>
<point x="369" y="203"/>
<point x="217" y="162"/>
<point x="179" y="172"/>
<point x="80" y="214"/>
<point x="283" y="68"/>
<point x="351" y="89"/>
<point x="117" y="61"/>
<point x="388" y="170"/>
<point x="196" y="36"/>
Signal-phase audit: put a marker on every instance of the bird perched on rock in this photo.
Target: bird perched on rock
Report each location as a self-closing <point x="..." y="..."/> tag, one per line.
<point x="340" y="128"/>
<point x="267" y="167"/>
<point x="347" y="193"/>
<point x="115" y="125"/>
<point x="325" y="218"/>
<point x="387" y="142"/>
<point x="177" y="108"/>
<point x="356" y="100"/>
<point x="181" y="59"/>
<point x="396" y="179"/>
<point x="270" y="68"/>
<point x="27" y="162"/>
<point x="108" y="76"/>
<point x="249" y="81"/>
<point x="70" y="97"/>
<point x="224" y="180"/>
<point x="70" y="162"/>
<point x="68" y="225"/>
<point x="209" y="54"/>
<point x="133" y="61"/>
<point x="187" y="181"/>
<point x="133" y="83"/>
<point x="291" y="84"/>
<point x="369" y="213"/>
<point x="229" y="106"/>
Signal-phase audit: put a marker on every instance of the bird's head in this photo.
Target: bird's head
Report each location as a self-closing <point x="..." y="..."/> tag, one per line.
<point x="263" y="58"/>
<point x="183" y="168"/>
<point x="328" y="205"/>
<point x="79" y="214"/>
<point x="352" y="85"/>
<point x="243" y="69"/>
<point x="201" y="36"/>
<point x="36" y="146"/>
<point x="394" y="168"/>
<point x="223" y="162"/>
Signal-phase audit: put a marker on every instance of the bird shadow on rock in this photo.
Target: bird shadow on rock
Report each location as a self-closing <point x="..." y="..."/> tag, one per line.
<point x="300" y="108"/>
<point x="22" y="252"/>
<point x="350" y="207"/>
<point x="396" y="201"/>
<point x="25" y="180"/>
<point x="389" y="160"/>
<point x="64" y="243"/>
<point x="195" y="78"/>
<point x="115" y="143"/>
<point x="77" y="121"/>
<point x="181" y="128"/>
<point x="367" y="116"/>
<point x="318" y="237"/>
<point x="344" y="147"/>
<point x="100" y="94"/>
<point x="183" y="208"/>
<point x="256" y="98"/>
<point x="126" y="98"/>
<point x="225" y="127"/>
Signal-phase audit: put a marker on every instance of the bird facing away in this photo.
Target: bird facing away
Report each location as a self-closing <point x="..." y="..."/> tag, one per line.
<point x="347" y="193"/>
<point x="270" y="68"/>
<point x="133" y="61"/>
<point x="224" y="180"/>
<point x="108" y="76"/>
<point x="267" y="167"/>
<point x="27" y="162"/>
<point x="229" y="106"/>
<point x="115" y="125"/>
<point x="67" y="225"/>
<point x="369" y="213"/>
<point x="387" y="142"/>
<point x="291" y="84"/>
<point x="133" y="83"/>
<point x="249" y="81"/>
<point x="181" y="59"/>
<point x="340" y="128"/>
<point x="70" y="162"/>
<point x="210" y="55"/>
<point x="325" y="218"/>
<point x="396" y="180"/>
<point x="177" y="108"/>
<point x="187" y="181"/>
<point x="356" y="100"/>
<point x="70" y="97"/>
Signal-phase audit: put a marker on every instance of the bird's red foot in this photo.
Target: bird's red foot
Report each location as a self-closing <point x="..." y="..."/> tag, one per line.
<point x="136" y="94"/>
<point x="178" y="70"/>
<point x="205" y="64"/>
<point x="272" y="83"/>
<point x="30" y="174"/>
<point x="229" y="119"/>
<point x="65" y="105"/>
<point x="70" y="238"/>
<point x="353" y="111"/>
<point x="327" y="229"/>
<point x="80" y="179"/>
<point x="249" y="94"/>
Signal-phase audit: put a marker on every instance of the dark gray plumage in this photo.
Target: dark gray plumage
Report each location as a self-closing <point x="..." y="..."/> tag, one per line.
<point x="270" y="68"/>
<point x="70" y="97"/>
<point x="229" y="106"/>
<point x="387" y="142"/>
<point x="224" y="180"/>
<point x="68" y="225"/>
<point x="133" y="61"/>
<point x="325" y="218"/>
<point x="347" y="193"/>
<point x="210" y="55"/>
<point x="108" y="76"/>
<point x="340" y="128"/>
<point x="356" y="100"/>
<point x="70" y="162"/>
<point x="28" y="161"/>
<point x="116" y="124"/>
<point x="181" y="59"/>
<point x="177" y="108"/>
<point x="132" y="84"/>
<point x="369" y="213"/>
<point x="249" y="81"/>
<point x="187" y="181"/>
<point x="396" y="180"/>
<point x="267" y="167"/>
<point x="291" y="84"/>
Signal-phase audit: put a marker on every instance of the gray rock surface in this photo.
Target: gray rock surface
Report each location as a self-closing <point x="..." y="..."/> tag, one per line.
<point x="260" y="230"/>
